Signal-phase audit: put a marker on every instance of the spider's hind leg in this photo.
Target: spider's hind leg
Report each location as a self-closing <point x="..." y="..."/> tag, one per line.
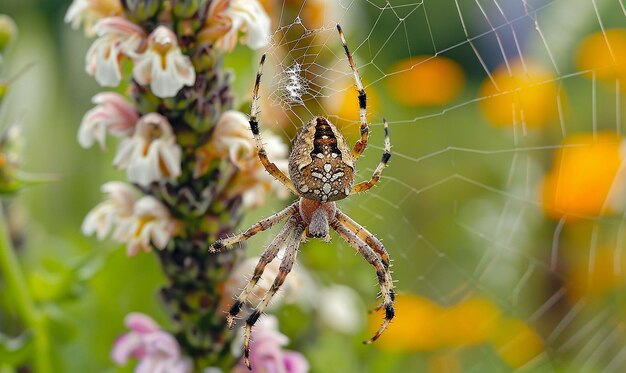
<point x="382" y="273"/>
<point x="291" y="251"/>
<point x="268" y="255"/>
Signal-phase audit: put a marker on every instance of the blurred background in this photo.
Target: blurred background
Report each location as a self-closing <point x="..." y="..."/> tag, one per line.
<point x="502" y="206"/>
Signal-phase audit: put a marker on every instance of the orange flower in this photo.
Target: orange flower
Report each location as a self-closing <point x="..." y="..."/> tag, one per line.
<point x="470" y="322"/>
<point x="345" y="105"/>
<point x="605" y="54"/>
<point x="516" y="343"/>
<point x="595" y="281"/>
<point x="583" y="178"/>
<point x="415" y="327"/>
<point x="527" y="95"/>
<point x="425" y="81"/>
<point x="422" y="325"/>
<point x="446" y="362"/>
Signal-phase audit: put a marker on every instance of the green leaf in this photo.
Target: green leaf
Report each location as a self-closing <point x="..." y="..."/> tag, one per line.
<point x="14" y="350"/>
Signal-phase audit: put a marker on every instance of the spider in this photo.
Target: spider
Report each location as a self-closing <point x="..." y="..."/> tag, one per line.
<point x="321" y="169"/>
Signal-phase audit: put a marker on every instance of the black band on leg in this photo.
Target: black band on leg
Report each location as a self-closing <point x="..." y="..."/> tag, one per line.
<point x="252" y="319"/>
<point x="254" y="126"/>
<point x="362" y="100"/>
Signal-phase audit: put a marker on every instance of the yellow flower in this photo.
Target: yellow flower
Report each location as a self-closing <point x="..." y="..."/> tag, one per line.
<point x="582" y="179"/>
<point x="516" y="343"/>
<point x="425" y="81"/>
<point x="415" y="327"/>
<point x="527" y="95"/>
<point x="608" y="61"/>
<point x="469" y="322"/>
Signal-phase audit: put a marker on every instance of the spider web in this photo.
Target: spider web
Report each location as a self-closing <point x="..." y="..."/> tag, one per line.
<point x="459" y="207"/>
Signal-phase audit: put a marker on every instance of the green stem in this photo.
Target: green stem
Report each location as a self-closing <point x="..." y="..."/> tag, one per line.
<point x="30" y="315"/>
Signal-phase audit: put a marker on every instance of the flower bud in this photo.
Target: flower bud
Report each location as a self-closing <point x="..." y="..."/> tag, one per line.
<point x="185" y="8"/>
<point x="8" y="33"/>
<point x="4" y="87"/>
<point x="144" y="9"/>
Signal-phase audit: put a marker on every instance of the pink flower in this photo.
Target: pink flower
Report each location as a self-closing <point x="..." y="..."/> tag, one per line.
<point x="266" y="353"/>
<point x="163" y="65"/>
<point x="152" y="153"/>
<point x="117" y="38"/>
<point x="157" y="350"/>
<point x="112" y="114"/>
<point x="91" y="11"/>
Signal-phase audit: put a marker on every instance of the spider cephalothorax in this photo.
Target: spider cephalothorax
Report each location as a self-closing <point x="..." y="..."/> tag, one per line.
<point x="321" y="170"/>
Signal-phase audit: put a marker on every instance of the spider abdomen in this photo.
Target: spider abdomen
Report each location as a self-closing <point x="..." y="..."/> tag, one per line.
<point x="321" y="165"/>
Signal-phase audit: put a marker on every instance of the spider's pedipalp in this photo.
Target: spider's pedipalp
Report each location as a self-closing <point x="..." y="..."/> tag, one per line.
<point x="291" y="251"/>
<point x="360" y="145"/>
<point x="261" y="226"/>
<point x="268" y="255"/>
<point x="367" y="185"/>
<point x="384" y="278"/>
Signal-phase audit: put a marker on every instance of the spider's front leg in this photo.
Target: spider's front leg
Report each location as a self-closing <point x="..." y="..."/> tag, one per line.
<point x="367" y="185"/>
<point x="361" y="144"/>
<point x="254" y="127"/>
<point x="259" y="227"/>
<point x="382" y="273"/>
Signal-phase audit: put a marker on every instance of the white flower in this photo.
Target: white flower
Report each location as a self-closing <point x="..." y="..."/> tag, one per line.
<point x="112" y="114"/>
<point x="339" y="307"/>
<point x="91" y="11"/>
<point x="151" y="154"/>
<point x="107" y="215"/>
<point x="163" y="65"/>
<point x="232" y="136"/>
<point x="227" y="18"/>
<point x="117" y="37"/>
<point x="136" y="221"/>
<point x="150" y="222"/>
<point x="262" y="182"/>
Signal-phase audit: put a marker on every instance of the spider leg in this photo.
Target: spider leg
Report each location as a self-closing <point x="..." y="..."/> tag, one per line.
<point x="360" y="145"/>
<point x="256" y="228"/>
<point x="367" y="185"/>
<point x="365" y="235"/>
<point x="254" y="127"/>
<point x="268" y="255"/>
<point x="384" y="278"/>
<point x="285" y="267"/>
